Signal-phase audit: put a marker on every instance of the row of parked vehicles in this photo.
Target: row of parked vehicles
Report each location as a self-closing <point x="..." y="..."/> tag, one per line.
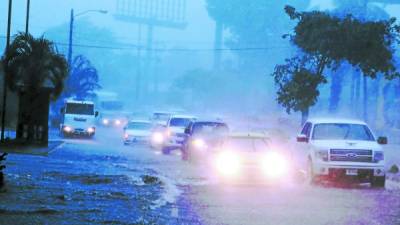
<point x="325" y="149"/>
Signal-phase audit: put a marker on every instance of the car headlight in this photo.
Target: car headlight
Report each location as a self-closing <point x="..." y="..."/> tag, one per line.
<point x="228" y="163"/>
<point x="158" y="137"/>
<point x="274" y="165"/>
<point x="126" y="136"/>
<point x="322" y="155"/>
<point x="106" y="121"/>
<point x="199" y="143"/>
<point x="378" y="156"/>
<point x="90" y="130"/>
<point x="117" y="122"/>
<point x="67" y="129"/>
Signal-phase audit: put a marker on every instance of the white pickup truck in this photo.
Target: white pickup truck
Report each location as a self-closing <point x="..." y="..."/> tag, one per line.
<point x="338" y="148"/>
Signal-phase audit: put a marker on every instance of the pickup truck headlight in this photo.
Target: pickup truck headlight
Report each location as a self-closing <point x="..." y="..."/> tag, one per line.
<point x="378" y="156"/>
<point x="322" y="155"/>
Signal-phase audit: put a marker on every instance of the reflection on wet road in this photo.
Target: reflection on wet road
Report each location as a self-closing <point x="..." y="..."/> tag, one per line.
<point x="101" y="181"/>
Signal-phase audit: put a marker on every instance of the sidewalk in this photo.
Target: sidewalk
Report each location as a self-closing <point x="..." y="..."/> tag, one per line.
<point x="18" y="148"/>
<point x="13" y="148"/>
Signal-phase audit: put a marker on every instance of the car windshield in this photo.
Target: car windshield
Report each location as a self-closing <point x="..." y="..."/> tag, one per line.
<point x="161" y="116"/>
<point x="112" y="105"/>
<point x="79" y="109"/>
<point x="180" y="122"/>
<point x="246" y="144"/>
<point x="210" y="128"/>
<point x="342" y="131"/>
<point x="139" y="126"/>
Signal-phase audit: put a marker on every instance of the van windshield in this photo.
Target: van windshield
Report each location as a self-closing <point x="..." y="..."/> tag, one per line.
<point x="80" y="109"/>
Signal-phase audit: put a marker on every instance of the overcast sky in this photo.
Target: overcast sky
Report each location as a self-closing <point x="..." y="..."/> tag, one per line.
<point x="49" y="13"/>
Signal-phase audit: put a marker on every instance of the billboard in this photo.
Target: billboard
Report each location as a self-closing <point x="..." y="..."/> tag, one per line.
<point x="166" y="13"/>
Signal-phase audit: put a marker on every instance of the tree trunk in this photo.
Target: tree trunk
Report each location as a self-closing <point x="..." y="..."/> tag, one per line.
<point x="336" y="90"/>
<point x="358" y="87"/>
<point x="365" y="99"/>
<point x="380" y="103"/>
<point x="304" y="116"/>
<point x="352" y="87"/>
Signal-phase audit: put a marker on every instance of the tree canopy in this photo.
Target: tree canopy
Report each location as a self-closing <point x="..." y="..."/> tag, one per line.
<point x="253" y="24"/>
<point x="83" y="78"/>
<point x="34" y="63"/>
<point x="327" y="41"/>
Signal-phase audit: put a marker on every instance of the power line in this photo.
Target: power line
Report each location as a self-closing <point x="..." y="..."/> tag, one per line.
<point x="125" y="46"/>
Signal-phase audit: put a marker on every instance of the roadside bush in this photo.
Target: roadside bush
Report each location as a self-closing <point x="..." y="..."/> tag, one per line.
<point x="394" y="169"/>
<point x="147" y="179"/>
<point x="2" y="158"/>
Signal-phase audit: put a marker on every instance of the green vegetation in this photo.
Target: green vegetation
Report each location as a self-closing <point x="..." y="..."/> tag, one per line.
<point x="326" y="42"/>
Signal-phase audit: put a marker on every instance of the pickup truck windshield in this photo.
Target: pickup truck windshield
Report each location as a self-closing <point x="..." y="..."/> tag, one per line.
<point x="80" y="109"/>
<point x="341" y="131"/>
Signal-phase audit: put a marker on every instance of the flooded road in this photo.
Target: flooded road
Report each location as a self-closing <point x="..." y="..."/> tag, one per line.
<point x="101" y="181"/>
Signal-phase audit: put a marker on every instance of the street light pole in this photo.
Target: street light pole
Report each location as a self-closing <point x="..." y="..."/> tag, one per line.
<point x="3" y="111"/>
<point x="28" y="5"/>
<point x="71" y="29"/>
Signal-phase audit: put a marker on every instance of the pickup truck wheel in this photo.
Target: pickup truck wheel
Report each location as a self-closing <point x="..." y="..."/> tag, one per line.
<point x="378" y="182"/>
<point x="312" y="179"/>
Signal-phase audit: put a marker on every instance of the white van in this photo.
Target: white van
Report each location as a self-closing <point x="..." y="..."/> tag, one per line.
<point x="79" y="118"/>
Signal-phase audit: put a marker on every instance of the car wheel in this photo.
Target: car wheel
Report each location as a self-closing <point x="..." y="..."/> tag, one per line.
<point x="378" y="182"/>
<point x="185" y="153"/>
<point x="165" y="150"/>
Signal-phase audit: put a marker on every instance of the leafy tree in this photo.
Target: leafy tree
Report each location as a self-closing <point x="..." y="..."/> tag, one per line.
<point x="83" y="78"/>
<point x="35" y="70"/>
<point x="34" y="62"/>
<point x="298" y="82"/>
<point x="327" y="41"/>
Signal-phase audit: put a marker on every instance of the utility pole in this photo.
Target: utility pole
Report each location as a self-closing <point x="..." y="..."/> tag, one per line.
<point x="71" y="30"/>
<point x="3" y="111"/>
<point x="28" y="5"/>
<point x="218" y="44"/>
<point x="139" y="71"/>
<point x="152" y="14"/>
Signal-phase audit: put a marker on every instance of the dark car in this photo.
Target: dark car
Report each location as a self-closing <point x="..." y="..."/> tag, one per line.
<point x="203" y="137"/>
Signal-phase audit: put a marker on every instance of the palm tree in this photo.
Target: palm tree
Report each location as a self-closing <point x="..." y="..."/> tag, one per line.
<point x="35" y="70"/>
<point x="83" y="78"/>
